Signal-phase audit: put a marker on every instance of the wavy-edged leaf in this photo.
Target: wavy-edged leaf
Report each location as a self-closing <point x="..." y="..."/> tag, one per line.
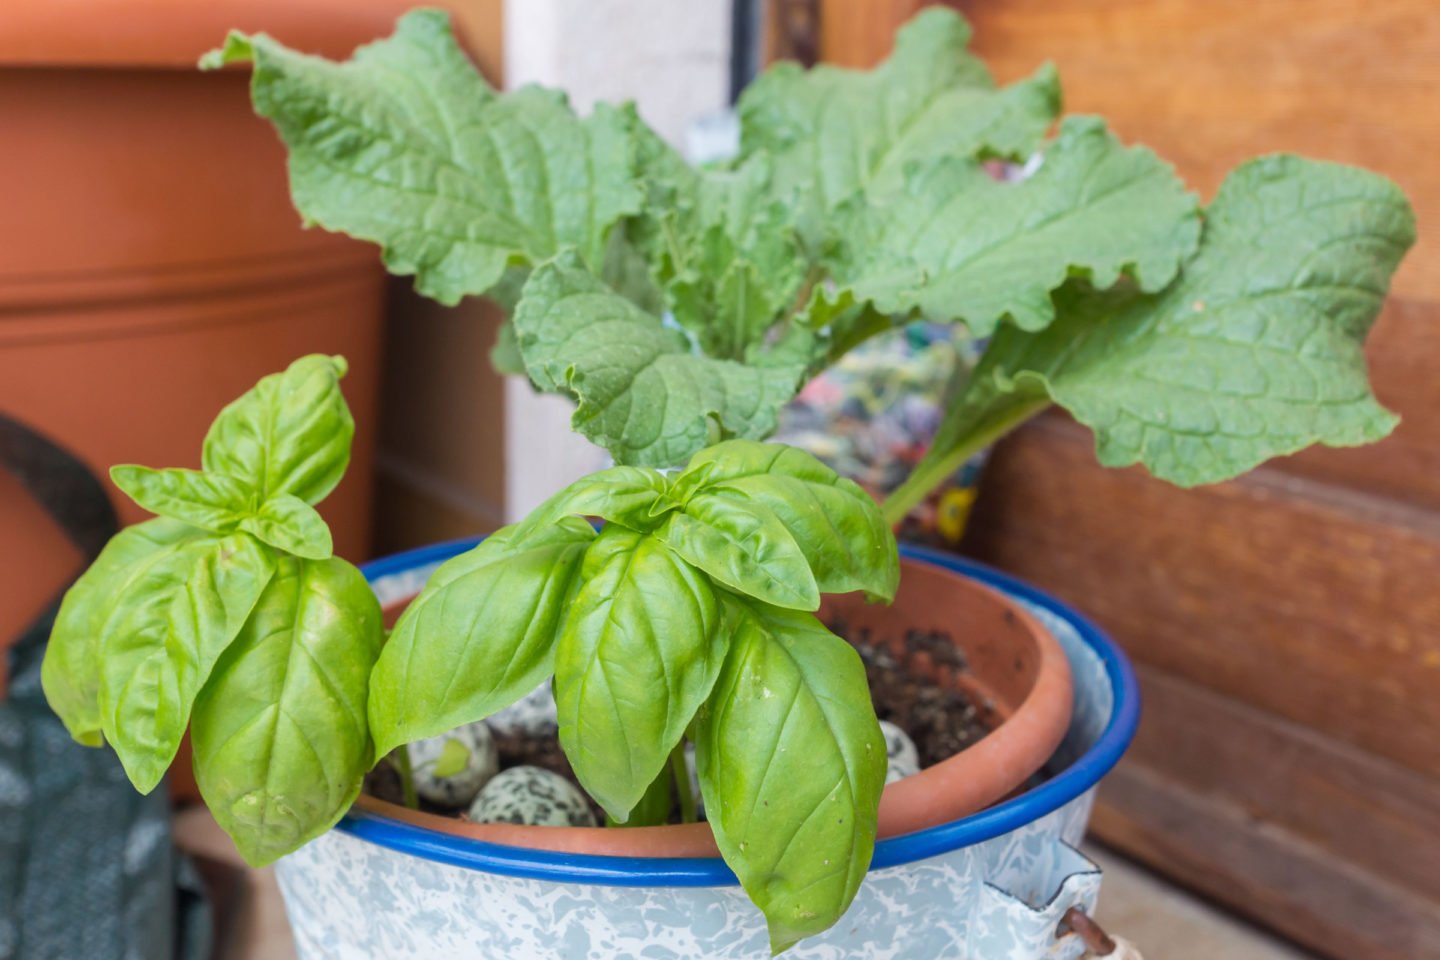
<point x="211" y="501"/>
<point x="642" y="394"/>
<point x="638" y="654"/>
<point x="837" y="525"/>
<point x="290" y="524"/>
<point x="1255" y="352"/>
<point x="480" y="635"/>
<point x="744" y="545"/>
<point x="959" y="245"/>
<point x="70" y="672"/>
<point x="175" y="611"/>
<point x="406" y="146"/>
<point x="289" y="434"/>
<point x="792" y="763"/>
<point x="280" y="735"/>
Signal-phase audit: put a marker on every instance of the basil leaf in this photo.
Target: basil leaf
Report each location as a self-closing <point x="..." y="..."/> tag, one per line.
<point x="958" y="245"/>
<point x="744" y="546"/>
<point x="174" y="613"/>
<point x="280" y="736"/>
<point x="655" y="806"/>
<point x="479" y="637"/>
<point x="836" y="133"/>
<point x="637" y="655"/>
<point x="1255" y="352"/>
<point x="642" y="394"/>
<point x="290" y="433"/>
<point x="837" y="525"/>
<point x="792" y="763"/>
<point x="406" y="146"/>
<point x="290" y="524"/>
<point x="633" y="497"/>
<point x="70" y="672"/>
<point x="211" y="501"/>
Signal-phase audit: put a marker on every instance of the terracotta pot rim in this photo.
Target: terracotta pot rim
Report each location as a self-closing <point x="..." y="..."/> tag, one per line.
<point x="980" y="775"/>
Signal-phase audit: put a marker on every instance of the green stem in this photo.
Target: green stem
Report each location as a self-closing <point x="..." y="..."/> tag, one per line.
<point x="935" y="469"/>
<point x="401" y="757"/>
<point x="681" y="773"/>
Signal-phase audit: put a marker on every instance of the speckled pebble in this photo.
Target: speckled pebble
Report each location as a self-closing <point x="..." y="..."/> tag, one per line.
<point x="904" y="758"/>
<point x="533" y="715"/>
<point x="534" y="796"/>
<point x="482" y="762"/>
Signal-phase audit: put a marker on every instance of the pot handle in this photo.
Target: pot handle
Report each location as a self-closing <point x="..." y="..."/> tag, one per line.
<point x="1099" y="945"/>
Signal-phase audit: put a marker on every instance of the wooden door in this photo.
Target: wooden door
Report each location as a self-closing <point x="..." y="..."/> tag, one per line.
<point x="1286" y="626"/>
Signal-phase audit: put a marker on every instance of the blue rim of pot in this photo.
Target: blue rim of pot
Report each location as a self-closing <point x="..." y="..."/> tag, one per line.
<point x="995" y="821"/>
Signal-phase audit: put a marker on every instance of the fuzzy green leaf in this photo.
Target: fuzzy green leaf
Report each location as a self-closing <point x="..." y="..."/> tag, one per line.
<point x="642" y="394"/>
<point x="70" y="673"/>
<point x="174" y="613"/>
<point x="406" y="146"/>
<point x="958" y="245"/>
<point x="792" y="763"/>
<point x="480" y="636"/>
<point x="280" y="735"/>
<point x="638" y="654"/>
<point x="1255" y="352"/>
<point x="289" y="434"/>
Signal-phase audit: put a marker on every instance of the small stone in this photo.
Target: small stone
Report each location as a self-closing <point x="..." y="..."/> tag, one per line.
<point x="900" y="749"/>
<point x="694" y="771"/>
<point x="533" y="715"/>
<point x="532" y="796"/>
<point x="451" y="769"/>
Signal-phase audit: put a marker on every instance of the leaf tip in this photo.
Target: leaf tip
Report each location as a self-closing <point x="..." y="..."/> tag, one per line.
<point x="237" y="48"/>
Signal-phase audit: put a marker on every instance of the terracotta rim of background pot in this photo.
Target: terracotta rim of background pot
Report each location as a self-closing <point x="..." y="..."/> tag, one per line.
<point x="1015" y="665"/>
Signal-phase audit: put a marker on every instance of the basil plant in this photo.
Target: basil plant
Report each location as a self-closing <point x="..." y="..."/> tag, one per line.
<point x="680" y="308"/>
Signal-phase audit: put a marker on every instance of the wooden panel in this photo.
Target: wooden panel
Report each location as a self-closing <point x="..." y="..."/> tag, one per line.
<point x="1266" y="872"/>
<point x="1315" y="604"/>
<point x="1373" y="813"/>
<point x="1211" y="84"/>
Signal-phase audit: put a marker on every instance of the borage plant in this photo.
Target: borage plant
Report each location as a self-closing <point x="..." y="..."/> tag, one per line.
<point x="680" y="308"/>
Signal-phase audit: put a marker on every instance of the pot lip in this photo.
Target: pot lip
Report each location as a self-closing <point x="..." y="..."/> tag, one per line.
<point x="611" y="870"/>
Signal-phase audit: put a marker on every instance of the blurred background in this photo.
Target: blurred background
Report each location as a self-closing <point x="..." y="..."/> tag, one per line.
<point x="1287" y="625"/>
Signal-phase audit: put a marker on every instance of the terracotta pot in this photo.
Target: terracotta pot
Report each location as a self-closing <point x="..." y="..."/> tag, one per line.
<point x="151" y="265"/>
<point x="1015" y="665"/>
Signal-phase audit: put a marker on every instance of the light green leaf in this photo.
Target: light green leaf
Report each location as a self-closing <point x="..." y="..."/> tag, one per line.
<point x="480" y="635"/>
<point x="836" y="132"/>
<point x="1255" y="352"/>
<point x="290" y="524"/>
<point x="792" y="763"/>
<point x="174" y="612"/>
<point x="959" y="245"/>
<point x="280" y="736"/>
<point x="70" y="673"/>
<point x="289" y="434"/>
<point x="744" y="546"/>
<point x="641" y="393"/>
<point x="211" y="501"/>
<point x="634" y="497"/>
<point x="454" y="758"/>
<point x="405" y="145"/>
<point x="835" y="523"/>
<point x="636" y="657"/>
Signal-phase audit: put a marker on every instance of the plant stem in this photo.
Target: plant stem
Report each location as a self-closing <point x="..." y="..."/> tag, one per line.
<point x="933" y="471"/>
<point x="681" y="772"/>
<point x="401" y="756"/>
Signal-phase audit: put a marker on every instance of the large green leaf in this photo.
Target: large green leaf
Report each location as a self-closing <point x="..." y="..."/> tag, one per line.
<point x="289" y="434"/>
<point x="837" y="525"/>
<point x="174" y="612"/>
<point x="405" y="145"/>
<point x="792" y="763"/>
<point x="959" y="245"/>
<point x="836" y="132"/>
<point x="480" y="636"/>
<point x="1255" y="352"/>
<point x="211" y="501"/>
<point x="280" y="735"/>
<point x="642" y="394"/>
<point x="70" y="673"/>
<point x="638" y="654"/>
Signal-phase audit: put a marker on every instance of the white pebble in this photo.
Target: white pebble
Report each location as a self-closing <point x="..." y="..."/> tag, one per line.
<point x="533" y="715"/>
<point x="533" y="796"/>
<point x="900" y="749"/>
<point x="452" y="768"/>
